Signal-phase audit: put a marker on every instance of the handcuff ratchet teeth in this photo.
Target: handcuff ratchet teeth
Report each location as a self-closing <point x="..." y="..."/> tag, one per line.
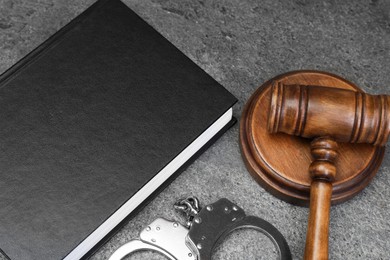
<point x="205" y="229"/>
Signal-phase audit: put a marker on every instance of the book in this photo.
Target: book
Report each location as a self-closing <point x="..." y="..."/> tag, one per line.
<point x="93" y="123"/>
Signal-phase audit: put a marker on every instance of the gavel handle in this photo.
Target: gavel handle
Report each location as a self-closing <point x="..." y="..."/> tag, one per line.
<point x="323" y="172"/>
<point x="318" y="227"/>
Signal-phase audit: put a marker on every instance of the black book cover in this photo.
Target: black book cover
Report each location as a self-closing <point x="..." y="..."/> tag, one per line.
<point x="87" y="120"/>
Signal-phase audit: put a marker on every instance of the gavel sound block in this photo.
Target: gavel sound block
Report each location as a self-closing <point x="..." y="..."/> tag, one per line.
<point x="345" y="132"/>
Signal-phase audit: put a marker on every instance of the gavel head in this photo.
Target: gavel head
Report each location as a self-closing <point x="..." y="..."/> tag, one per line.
<point x="315" y="111"/>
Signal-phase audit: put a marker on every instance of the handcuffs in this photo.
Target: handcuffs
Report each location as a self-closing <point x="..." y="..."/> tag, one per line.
<point x="204" y="229"/>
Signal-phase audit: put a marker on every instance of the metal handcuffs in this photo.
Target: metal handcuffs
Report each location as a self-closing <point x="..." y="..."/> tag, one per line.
<point x="204" y="229"/>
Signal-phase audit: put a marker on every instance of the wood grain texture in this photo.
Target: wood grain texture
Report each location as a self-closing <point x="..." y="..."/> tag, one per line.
<point x="346" y="115"/>
<point x="280" y="162"/>
<point x="323" y="172"/>
<point x="318" y="225"/>
<point x="328" y="114"/>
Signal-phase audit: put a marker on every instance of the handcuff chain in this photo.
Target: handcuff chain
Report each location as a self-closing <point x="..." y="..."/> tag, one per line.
<point x="190" y="207"/>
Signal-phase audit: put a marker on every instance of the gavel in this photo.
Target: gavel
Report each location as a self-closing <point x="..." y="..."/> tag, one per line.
<point x="328" y="116"/>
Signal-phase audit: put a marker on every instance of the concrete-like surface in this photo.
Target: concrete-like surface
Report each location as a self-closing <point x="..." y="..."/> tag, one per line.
<point x="243" y="43"/>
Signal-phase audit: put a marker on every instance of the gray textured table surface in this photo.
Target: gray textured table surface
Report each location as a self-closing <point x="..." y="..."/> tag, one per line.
<point x="243" y="43"/>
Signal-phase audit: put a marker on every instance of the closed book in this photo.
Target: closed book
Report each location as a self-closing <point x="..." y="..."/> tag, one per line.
<point x="92" y="123"/>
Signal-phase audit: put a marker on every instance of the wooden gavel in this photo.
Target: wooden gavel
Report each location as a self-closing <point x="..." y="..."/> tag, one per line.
<point x="329" y="115"/>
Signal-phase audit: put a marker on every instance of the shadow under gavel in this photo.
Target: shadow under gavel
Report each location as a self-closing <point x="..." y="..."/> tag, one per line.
<point x="326" y="115"/>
